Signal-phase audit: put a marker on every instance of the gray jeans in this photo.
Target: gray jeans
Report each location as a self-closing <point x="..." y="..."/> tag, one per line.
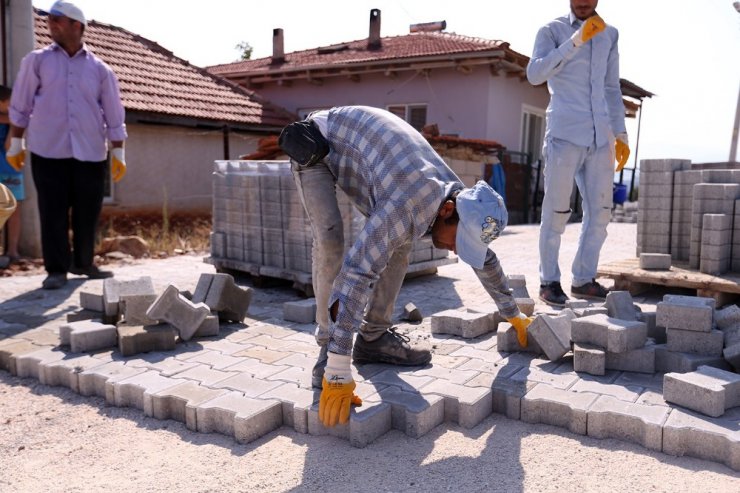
<point x="317" y="190"/>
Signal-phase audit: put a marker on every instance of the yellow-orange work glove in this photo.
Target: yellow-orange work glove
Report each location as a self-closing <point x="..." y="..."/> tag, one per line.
<point x="590" y="28"/>
<point x="16" y="154"/>
<point x="520" y="323"/>
<point x="337" y="394"/>
<point x="118" y="164"/>
<point x="621" y="151"/>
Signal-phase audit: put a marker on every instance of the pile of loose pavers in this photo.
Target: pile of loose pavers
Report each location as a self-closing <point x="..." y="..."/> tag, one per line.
<point x="663" y="379"/>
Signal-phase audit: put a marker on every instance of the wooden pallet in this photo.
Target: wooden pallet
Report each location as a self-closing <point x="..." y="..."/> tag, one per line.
<point x="628" y="276"/>
<point x="261" y="274"/>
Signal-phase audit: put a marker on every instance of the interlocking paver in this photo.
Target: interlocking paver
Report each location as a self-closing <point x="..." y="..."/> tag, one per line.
<point x="296" y="402"/>
<point x="180" y="402"/>
<point x="27" y="365"/>
<point x="464" y="405"/>
<point x="707" y="390"/>
<point x="413" y="413"/>
<point x="233" y="414"/>
<point x="715" y="439"/>
<point x="130" y="392"/>
<point x="546" y="404"/>
<point x="65" y="372"/>
<point x="610" y="417"/>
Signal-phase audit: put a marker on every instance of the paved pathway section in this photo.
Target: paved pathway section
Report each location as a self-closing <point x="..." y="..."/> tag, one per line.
<point x="256" y="376"/>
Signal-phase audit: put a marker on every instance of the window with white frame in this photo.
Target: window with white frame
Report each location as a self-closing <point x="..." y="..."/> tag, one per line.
<point x="533" y="131"/>
<point x="414" y="114"/>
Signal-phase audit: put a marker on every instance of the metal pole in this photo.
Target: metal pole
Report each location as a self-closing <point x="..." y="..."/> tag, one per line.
<point x="733" y="145"/>
<point x="4" y="38"/>
<point x="226" y="142"/>
<point x="637" y="146"/>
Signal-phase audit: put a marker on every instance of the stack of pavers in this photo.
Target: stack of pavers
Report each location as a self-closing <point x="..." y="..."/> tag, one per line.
<point x="130" y="315"/>
<point x="259" y="221"/>
<point x="625" y="213"/>
<point x="690" y="214"/>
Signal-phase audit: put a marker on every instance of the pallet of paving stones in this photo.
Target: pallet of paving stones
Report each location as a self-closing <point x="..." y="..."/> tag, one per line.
<point x="628" y="276"/>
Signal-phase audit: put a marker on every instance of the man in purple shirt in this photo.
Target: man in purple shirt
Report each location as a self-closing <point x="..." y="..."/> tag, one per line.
<point x="68" y="100"/>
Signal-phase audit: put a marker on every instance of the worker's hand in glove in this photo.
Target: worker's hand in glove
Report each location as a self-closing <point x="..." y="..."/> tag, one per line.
<point x="337" y="392"/>
<point x="590" y="28"/>
<point x="16" y="154"/>
<point x="520" y="323"/>
<point x="118" y="164"/>
<point x="621" y="151"/>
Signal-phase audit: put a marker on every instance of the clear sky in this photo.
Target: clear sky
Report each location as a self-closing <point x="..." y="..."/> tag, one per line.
<point x="687" y="52"/>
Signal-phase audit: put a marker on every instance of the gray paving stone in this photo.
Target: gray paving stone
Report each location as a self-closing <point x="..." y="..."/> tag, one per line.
<point x="589" y="359"/>
<point x="184" y="315"/>
<point x="366" y="423"/>
<point x="113" y="289"/>
<point x="560" y="380"/>
<point x="669" y="361"/>
<point x="621" y="392"/>
<point x="640" y="360"/>
<point x="608" y="333"/>
<point x="66" y="372"/>
<point x="208" y="328"/>
<point x="464" y="405"/>
<point x="688" y="433"/>
<point x="205" y="375"/>
<point x="449" y="374"/>
<point x="465" y="324"/>
<point x="727" y="317"/>
<point x="552" y="335"/>
<point x="655" y="261"/>
<point x="689" y="341"/>
<point x="130" y="392"/>
<point x="609" y="417"/>
<point x="133" y="307"/>
<point x="91" y="336"/>
<point x="296" y="402"/>
<point x="233" y="414"/>
<point x="301" y="311"/>
<point x="411" y="313"/>
<point x="680" y="313"/>
<point x="92" y="301"/>
<point x="246" y="384"/>
<point x="732" y="355"/>
<point x="707" y="390"/>
<point x="80" y="315"/>
<point x="179" y="402"/>
<point x="413" y="413"/>
<point x="546" y="404"/>
<point x="619" y="304"/>
<point x="223" y="296"/>
<point x="135" y="339"/>
<point x="508" y="342"/>
<point x="93" y="382"/>
<point x="402" y="380"/>
<point x="27" y="365"/>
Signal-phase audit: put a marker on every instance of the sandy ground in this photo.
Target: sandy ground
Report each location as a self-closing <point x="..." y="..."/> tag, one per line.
<point x="52" y="439"/>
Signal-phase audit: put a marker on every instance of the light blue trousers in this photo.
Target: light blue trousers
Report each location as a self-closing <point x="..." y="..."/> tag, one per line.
<point x="317" y="190"/>
<point x="592" y="168"/>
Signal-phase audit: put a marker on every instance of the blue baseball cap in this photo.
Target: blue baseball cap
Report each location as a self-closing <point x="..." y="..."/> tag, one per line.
<point x="66" y="9"/>
<point x="483" y="217"/>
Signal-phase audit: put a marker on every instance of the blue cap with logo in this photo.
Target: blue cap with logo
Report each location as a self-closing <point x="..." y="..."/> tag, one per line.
<point x="483" y="217"/>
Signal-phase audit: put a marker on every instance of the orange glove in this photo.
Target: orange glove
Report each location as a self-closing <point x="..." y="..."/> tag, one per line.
<point x="621" y="151"/>
<point x="337" y="394"/>
<point x="16" y="155"/>
<point x="117" y="164"/>
<point x="590" y="28"/>
<point x="520" y="323"/>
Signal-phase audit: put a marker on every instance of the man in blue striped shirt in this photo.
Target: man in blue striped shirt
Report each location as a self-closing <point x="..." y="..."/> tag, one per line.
<point x="405" y="190"/>
<point x="578" y="58"/>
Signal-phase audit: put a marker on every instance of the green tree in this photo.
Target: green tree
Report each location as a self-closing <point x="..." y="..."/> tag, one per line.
<point x="245" y="50"/>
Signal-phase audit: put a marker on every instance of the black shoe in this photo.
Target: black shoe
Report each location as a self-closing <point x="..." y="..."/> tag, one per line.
<point x="392" y="348"/>
<point x="54" y="281"/>
<point x="91" y="272"/>
<point x="590" y="291"/>
<point x="317" y="374"/>
<point x="552" y="294"/>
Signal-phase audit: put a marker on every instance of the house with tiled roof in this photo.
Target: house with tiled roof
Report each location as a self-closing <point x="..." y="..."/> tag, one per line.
<point x="179" y="117"/>
<point x="469" y="88"/>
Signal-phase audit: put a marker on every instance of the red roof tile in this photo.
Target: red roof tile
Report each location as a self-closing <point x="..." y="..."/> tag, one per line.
<point x="153" y="80"/>
<point x="394" y="48"/>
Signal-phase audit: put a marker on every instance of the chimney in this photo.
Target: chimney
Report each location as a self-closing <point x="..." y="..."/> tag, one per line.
<point x="278" y="50"/>
<point x="373" y="40"/>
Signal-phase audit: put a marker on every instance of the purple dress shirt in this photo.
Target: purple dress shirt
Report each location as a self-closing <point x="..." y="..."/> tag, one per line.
<point x="68" y="105"/>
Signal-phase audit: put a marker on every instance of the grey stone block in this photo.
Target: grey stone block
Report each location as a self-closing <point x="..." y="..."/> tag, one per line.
<point x="134" y="306"/>
<point x="507" y="341"/>
<point x="366" y="423"/>
<point x="463" y="324"/>
<point x="619" y="305"/>
<point x="302" y="311"/>
<point x="244" y="418"/>
<point x="707" y="390"/>
<point x="11" y="350"/>
<point x="92" y="301"/>
<point x="589" y="359"/>
<point x="679" y="315"/>
<point x="413" y="413"/>
<point x="27" y="365"/>
<point x="92" y="382"/>
<point x="669" y="361"/>
<point x="222" y="295"/>
<point x="689" y="341"/>
<point x="728" y="317"/>
<point x="184" y="315"/>
<point x="611" y="334"/>
<point x="65" y="372"/>
<point x="411" y="313"/>
<point x="687" y="433"/>
<point x="552" y="335"/>
<point x="732" y="355"/>
<point x="609" y="417"/>
<point x="507" y="396"/>
<point x="88" y="335"/>
<point x="640" y="360"/>
<point x="135" y="339"/>
<point x="179" y="402"/>
<point x="113" y="289"/>
<point x="209" y="327"/>
<point x="80" y="315"/>
<point x="464" y="405"/>
<point x="655" y="261"/>
<point x="129" y="392"/>
<point x="296" y="403"/>
<point x="545" y="404"/>
<point x="575" y="304"/>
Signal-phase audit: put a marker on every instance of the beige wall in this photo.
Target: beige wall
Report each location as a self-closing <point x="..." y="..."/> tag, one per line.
<point x="173" y="162"/>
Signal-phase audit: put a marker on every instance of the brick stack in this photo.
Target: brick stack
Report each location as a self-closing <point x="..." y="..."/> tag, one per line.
<point x="674" y="202"/>
<point x="259" y="221"/>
